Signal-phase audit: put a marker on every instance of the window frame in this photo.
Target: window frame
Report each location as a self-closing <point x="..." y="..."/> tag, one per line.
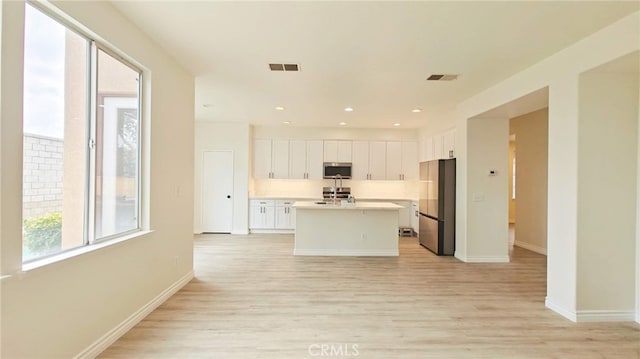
<point x="94" y="43"/>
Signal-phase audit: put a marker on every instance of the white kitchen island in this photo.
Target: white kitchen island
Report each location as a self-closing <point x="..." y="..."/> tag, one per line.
<point x="354" y="229"/>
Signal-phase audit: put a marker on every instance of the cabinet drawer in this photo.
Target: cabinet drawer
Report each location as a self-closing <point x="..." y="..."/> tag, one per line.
<point x="262" y="202"/>
<point x="284" y="202"/>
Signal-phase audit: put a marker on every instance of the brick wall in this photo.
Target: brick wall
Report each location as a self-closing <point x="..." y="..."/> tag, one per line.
<point x="42" y="171"/>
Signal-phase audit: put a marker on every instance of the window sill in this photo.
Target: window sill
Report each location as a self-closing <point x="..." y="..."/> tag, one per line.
<point x="79" y="251"/>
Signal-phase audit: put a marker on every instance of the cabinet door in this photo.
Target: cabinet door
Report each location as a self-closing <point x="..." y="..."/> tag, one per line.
<point x="255" y="217"/>
<point x="409" y="160"/>
<point x="330" y="151"/>
<point x="280" y="158"/>
<point x="394" y="161"/>
<point x="261" y="158"/>
<point x="427" y="150"/>
<point x="269" y="217"/>
<point x="314" y="160"/>
<point x="377" y="160"/>
<point x="344" y="151"/>
<point x="298" y="159"/>
<point x="282" y="217"/>
<point x="414" y="216"/>
<point x="438" y="150"/>
<point x="360" y="164"/>
<point x="404" y="214"/>
<point x="449" y="144"/>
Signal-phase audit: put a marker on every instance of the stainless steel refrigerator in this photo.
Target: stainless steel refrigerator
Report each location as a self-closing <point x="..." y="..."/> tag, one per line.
<point x="437" y="206"/>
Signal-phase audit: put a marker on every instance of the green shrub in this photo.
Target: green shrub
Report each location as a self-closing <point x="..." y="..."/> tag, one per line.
<point x="43" y="235"/>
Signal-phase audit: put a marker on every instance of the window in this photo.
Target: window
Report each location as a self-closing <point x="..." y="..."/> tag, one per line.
<point x="81" y="127"/>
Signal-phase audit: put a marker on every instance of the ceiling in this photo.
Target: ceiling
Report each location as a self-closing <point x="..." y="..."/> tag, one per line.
<point x="371" y="56"/>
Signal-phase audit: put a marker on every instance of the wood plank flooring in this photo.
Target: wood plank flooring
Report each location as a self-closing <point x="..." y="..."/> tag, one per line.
<point x="253" y="299"/>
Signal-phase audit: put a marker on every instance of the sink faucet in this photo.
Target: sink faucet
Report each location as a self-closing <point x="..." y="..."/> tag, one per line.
<point x="335" y="187"/>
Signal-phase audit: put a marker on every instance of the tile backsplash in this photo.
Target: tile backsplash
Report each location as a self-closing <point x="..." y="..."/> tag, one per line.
<point x="313" y="188"/>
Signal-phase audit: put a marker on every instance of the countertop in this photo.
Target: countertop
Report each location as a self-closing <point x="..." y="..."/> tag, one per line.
<point x="347" y="206"/>
<point x="294" y="198"/>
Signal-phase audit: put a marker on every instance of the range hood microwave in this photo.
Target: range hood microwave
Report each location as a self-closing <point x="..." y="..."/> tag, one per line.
<point x="337" y="170"/>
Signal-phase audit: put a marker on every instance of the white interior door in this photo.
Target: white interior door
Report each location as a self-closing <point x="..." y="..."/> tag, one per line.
<point x="217" y="191"/>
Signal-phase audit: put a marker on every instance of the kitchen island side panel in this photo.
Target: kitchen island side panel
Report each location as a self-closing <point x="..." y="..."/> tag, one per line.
<point x="340" y="232"/>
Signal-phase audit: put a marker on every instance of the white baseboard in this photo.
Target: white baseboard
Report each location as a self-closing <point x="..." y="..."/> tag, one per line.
<point x="346" y="252"/>
<point x="569" y="314"/>
<point x="273" y="231"/>
<point x="243" y="232"/>
<point x="605" y="316"/>
<point x="111" y="336"/>
<point x="582" y="316"/>
<point x="486" y="259"/>
<point x="531" y="247"/>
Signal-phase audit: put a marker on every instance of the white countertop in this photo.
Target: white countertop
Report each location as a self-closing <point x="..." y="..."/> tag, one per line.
<point x="294" y="198"/>
<point x="347" y="206"/>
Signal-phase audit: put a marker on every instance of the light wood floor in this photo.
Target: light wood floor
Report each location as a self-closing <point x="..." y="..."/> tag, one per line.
<point x="253" y="299"/>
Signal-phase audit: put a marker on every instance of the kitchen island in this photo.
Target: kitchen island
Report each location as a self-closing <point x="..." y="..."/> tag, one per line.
<point x="351" y="229"/>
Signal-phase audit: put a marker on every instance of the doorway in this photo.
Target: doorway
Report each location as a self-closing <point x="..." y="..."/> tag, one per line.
<point x="217" y="191"/>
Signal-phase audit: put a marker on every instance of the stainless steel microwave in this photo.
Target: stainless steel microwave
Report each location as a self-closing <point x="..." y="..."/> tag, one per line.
<point x="337" y="170"/>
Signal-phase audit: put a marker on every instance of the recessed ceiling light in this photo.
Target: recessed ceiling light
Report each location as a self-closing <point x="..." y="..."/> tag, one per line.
<point x="348" y="109"/>
<point x="207" y="105"/>
<point x="396" y="124"/>
<point x="279" y="108"/>
<point x="286" y="122"/>
<point x="416" y="110"/>
<point x="342" y="124"/>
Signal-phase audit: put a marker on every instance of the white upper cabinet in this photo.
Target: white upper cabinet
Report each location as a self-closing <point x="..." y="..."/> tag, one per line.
<point x="438" y="149"/>
<point x="315" y="158"/>
<point x="377" y="160"/>
<point x="262" y="159"/>
<point x="271" y="159"/>
<point x="402" y="160"/>
<point x="337" y="151"/>
<point x="360" y="165"/>
<point x="427" y="150"/>
<point x="410" y="163"/>
<point x="305" y="159"/>
<point x="298" y="159"/>
<point x="369" y="160"/>
<point x="280" y="158"/>
<point x="440" y="146"/>
<point x="449" y="144"/>
<point x="394" y="160"/>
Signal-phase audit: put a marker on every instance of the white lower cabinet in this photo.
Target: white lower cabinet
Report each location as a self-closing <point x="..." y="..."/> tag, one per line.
<point x="415" y="217"/>
<point x="404" y="214"/>
<point x="275" y="216"/>
<point x="262" y="214"/>
<point x="285" y="215"/>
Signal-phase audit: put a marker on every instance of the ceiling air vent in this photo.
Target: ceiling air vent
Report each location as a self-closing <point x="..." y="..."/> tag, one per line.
<point x="284" y="67"/>
<point x="442" y="77"/>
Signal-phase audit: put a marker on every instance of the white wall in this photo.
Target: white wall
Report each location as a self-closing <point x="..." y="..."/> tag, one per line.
<point x="531" y="132"/>
<point x="218" y="136"/>
<point x="607" y="166"/>
<point x="61" y="309"/>
<point x="488" y="150"/>
<point x="560" y="73"/>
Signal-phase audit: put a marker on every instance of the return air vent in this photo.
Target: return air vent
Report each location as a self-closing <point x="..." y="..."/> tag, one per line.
<point x="284" y="67"/>
<point x="442" y="77"/>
